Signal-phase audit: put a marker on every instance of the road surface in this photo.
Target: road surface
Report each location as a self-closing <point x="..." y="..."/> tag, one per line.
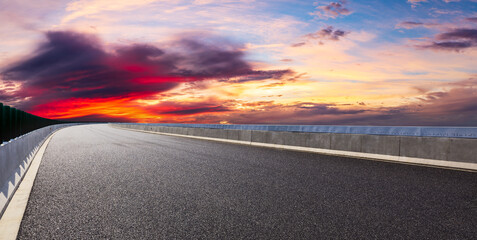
<point x="96" y="181"/>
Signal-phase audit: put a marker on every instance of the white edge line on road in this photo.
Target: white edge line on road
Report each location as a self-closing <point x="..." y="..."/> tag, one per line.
<point x="13" y="215"/>
<point x="462" y="166"/>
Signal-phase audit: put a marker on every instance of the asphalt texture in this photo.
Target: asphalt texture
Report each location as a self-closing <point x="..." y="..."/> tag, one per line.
<point x="99" y="182"/>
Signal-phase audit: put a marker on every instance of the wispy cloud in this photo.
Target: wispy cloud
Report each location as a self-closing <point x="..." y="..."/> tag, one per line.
<point x="82" y="8"/>
<point x="415" y="3"/>
<point x="437" y="12"/>
<point x="413" y="24"/>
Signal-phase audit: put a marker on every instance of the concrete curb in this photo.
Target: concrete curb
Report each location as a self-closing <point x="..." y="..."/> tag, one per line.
<point x="370" y="156"/>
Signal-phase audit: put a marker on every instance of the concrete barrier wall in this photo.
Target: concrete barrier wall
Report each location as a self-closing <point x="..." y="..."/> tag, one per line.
<point x="452" y="132"/>
<point x="15" y="157"/>
<point x="458" y="149"/>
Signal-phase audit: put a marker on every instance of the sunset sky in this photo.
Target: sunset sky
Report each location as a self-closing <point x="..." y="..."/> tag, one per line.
<point x="355" y="62"/>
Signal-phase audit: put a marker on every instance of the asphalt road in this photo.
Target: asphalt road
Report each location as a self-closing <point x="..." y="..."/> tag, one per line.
<point x="100" y="182"/>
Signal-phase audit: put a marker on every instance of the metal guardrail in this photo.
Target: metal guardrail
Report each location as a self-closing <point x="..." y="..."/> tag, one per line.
<point x="14" y="122"/>
<point x="16" y="156"/>
<point x="451" y="132"/>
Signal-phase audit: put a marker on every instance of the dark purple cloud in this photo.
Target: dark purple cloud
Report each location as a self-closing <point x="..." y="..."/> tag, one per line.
<point x="450" y="45"/>
<point x="455" y="40"/>
<point x="324" y="34"/>
<point x="327" y="33"/>
<point x="459" y="34"/>
<point x="74" y="65"/>
<point x="210" y="105"/>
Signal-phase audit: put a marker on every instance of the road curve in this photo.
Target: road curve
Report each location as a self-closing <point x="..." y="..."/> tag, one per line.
<point x="96" y="181"/>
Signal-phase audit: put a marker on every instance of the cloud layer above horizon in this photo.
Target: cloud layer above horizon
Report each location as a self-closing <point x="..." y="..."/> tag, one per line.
<point x="243" y="61"/>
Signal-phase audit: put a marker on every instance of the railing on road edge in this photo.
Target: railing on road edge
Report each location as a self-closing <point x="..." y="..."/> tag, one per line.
<point x="451" y="132"/>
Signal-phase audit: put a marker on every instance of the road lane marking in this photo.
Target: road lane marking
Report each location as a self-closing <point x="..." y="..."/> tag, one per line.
<point x="13" y="215"/>
<point x="461" y="166"/>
